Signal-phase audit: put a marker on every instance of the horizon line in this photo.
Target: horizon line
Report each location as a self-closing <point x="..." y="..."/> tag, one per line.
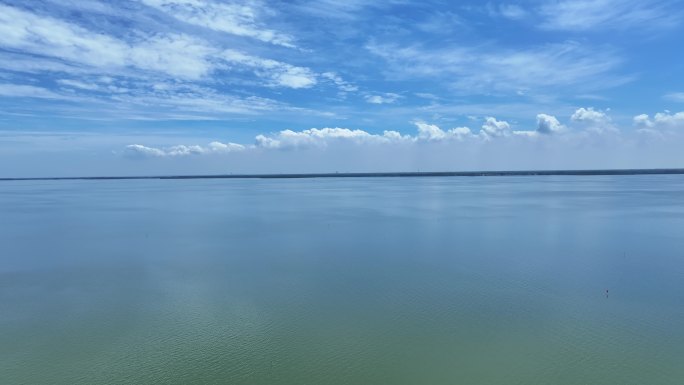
<point x="406" y="174"/>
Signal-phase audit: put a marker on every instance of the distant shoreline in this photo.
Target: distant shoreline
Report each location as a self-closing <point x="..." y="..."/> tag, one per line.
<point x="658" y="171"/>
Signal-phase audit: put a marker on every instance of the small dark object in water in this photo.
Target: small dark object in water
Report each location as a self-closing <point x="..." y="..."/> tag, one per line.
<point x="606" y="293"/>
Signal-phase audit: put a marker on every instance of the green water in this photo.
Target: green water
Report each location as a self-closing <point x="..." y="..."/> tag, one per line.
<point x="497" y="280"/>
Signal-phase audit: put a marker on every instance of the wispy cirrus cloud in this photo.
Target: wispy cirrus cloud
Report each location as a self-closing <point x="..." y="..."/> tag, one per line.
<point x="584" y="15"/>
<point x="509" y="11"/>
<point x="343" y="85"/>
<point x="488" y="69"/>
<point x="103" y="97"/>
<point x="675" y="97"/>
<point x="176" y="56"/>
<point x="241" y="18"/>
<point x="349" y="9"/>
<point x="277" y="73"/>
<point x="27" y="91"/>
<point x="175" y="72"/>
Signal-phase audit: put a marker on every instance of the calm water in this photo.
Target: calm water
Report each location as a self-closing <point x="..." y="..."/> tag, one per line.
<point x="497" y="280"/>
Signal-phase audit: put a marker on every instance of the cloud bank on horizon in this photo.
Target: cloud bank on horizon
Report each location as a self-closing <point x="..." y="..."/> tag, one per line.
<point x="155" y="84"/>
<point x="588" y="125"/>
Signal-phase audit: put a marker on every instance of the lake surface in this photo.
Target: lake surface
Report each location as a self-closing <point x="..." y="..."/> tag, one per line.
<point x="489" y="280"/>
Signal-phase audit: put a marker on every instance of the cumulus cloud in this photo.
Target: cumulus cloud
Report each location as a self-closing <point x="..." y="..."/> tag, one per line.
<point x="642" y="120"/>
<point x="322" y="137"/>
<point x="593" y="120"/>
<point x="495" y="128"/>
<point x="431" y="132"/>
<point x="496" y="145"/>
<point x="661" y="120"/>
<point x="492" y="130"/>
<point x="547" y="124"/>
<point x="589" y="115"/>
<point x="138" y="150"/>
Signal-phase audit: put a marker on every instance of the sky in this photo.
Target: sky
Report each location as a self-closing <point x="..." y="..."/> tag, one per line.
<point x="139" y="87"/>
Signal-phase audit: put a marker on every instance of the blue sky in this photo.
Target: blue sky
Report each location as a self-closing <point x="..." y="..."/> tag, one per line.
<point x="167" y="86"/>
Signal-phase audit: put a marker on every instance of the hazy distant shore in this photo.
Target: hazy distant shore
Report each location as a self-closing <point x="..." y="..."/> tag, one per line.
<point x="659" y="171"/>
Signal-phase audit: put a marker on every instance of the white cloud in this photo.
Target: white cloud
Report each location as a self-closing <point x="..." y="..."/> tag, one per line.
<point x="322" y="137"/>
<point x="495" y="128"/>
<point x="138" y="150"/>
<point x="176" y="56"/>
<point x="431" y="132"/>
<point x="642" y="120"/>
<point x="593" y="120"/>
<point x="386" y="98"/>
<point x="237" y="18"/>
<point x="225" y="147"/>
<point x="173" y="55"/>
<point x="661" y="120"/>
<point x="48" y="36"/>
<point x="496" y="146"/>
<point x="548" y="124"/>
<point x="395" y="136"/>
<point x="278" y="73"/>
<point x="428" y="133"/>
<point x="294" y="77"/>
<point x="137" y="75"/>
<point x="589" y="115"/>
<point x="583" y="15"/>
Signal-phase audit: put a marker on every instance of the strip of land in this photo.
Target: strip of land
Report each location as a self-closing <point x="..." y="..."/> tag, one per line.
<point x="658" y="171"/>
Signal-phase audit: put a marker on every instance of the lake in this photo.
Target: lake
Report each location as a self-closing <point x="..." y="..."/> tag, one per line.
<point x="462" y="280"/>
